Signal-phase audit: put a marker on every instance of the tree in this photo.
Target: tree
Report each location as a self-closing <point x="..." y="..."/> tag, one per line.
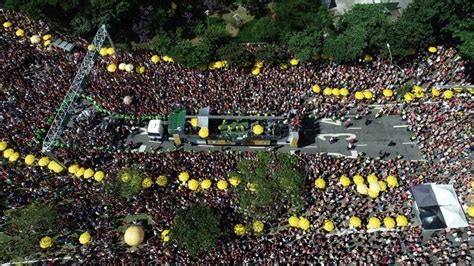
<point x="346" y="47"/>
<point x="190" y="55"/>
<point x="128" y="182"/>
<point x="24" y="228"/>
<point x="271" y="54"/>
<point x="269" y="184"/>
<point x="196" y="229"/>
<point x="235" y="53"/>
<point x="305" y="44"/>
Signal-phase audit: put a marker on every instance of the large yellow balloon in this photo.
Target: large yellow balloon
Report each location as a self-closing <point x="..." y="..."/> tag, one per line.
<point x="14" y="157"/>
<point x="402" y="221"/>
<point x="111" y="68"/>
<point x="448" y="94"/>
<point x="374" y="223"/>
<point x="409" y="97"/>
<point x="29" y="159"/>
<point x="85" y="238"/>
<point x="234" y="180"/>
<point x="304" y="223"/>
<point x="103" y="51"/>
<point x="240" y="230"/>
<point x="328" y="226"/>
<point x="258" y="226"/>
<point x="46" y="242"/>
<point x="3" y="145"/>
<point x="355" y="221"/>
<point x="387" y="93"/>
<point x="435" y="92"/>
<point x="344" y="92"/>
<point x="203" y="132"/>
<point x="72" y="169"/>
<point x="294" y="62"/>
<point x="8" y="152"/>
<point x="162" y="181"/>
<point x="374" y="186"/>
<point x="183" y="176"/>
<point x="320" y="183"/>
<point x="362" y="189"/>
<point x="88" y="173"/>
<point x="35" y="39"/>
<point x="392" y="181"/>
<point x="335" y="92"/>
<point x="359" y="95"/>
<point x="470" y="211"/>
<point x="193" y="184"/>
<point x="372" y="178"/>
<point x="206" y="184"/>
<point x="110" y="51"/>
<point x="43" y="161"/>
<point x="99" y="176"/>
<point x="194" y="122"/>
<point x="134" y="235"/>
<point x="222" y="184"/>
<point x="257" y="129"/>
<point x="327" y="91"/>
<point x="344" y="181"/>
<point x="358" y="179"/>
<point x="368" y="94"/>
<point x="389" y="222"/>
<point x="155" y="59"/>
<point x="294" y="221"/>
<point x="316" y="88"/>
<point x="255" y="71"/>
<point x="147" y="183"/>
<point x="432" y="49"/>
<point x="7" y="24"/>
<point x="20" y="33"/>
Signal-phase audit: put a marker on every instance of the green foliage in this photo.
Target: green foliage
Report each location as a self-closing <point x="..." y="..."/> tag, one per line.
<point x="24" y="228"/>
<point x="346" y="47"/>
<point x="305" y="44"/>
<point x="278" y="185"/>
<point x="128" y="183"/>
<point x="271" y="54"/>
<point x="464" y="31"/>
<point x="191" y="55"/>
<point x="259" y="30"/>
<point x="296" y="15"/>
<point x="234" y="53"/>
<point x="196" y="229"/>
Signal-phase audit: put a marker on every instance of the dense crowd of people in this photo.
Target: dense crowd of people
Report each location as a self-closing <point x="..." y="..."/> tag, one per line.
<point x="36" y="78"/>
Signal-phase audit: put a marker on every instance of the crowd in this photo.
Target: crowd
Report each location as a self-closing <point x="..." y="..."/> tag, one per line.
<point x="36" y="79"/>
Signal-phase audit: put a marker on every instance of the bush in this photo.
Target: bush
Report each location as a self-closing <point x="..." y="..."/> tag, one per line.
<point x="128" y="182"/>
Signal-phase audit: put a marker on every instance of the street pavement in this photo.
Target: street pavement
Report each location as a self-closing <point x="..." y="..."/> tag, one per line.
<point x="372" y="140"/>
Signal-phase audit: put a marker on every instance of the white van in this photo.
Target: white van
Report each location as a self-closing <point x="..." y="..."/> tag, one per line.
<point x="155" y="130"/>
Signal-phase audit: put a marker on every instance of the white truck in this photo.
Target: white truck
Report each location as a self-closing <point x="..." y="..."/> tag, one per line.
<point x="155" y="130"/>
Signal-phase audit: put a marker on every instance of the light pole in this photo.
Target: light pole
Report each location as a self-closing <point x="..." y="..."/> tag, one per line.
<point x="391" y="60"/>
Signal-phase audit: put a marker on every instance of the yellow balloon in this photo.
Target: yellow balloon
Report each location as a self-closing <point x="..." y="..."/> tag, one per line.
<point x="99" y="176"/>
<point x="222" y="184"/>
<point x="206" y="184"/>
<point x="432" y="49"/>
<point x="240" y="230"/>
<point x="203" y="132"/>
<point x="162" y="181"/>
<point x="29" y="159"/>
<point x="448" y="94"/>
<point x="103" y="51"/>
<point x="368" y="94"/>
<point x="110" y="51"/>
<point x="294" y="221"/>
<point x="183" y="176"/>
<point x="316" y="88"/>
<point x="194" y="122"/>
<point x="147" y="182"/>
<point x="304" y="223"/>
<point x="257" y="129"/>
<point x="111" y="68"/>
<point x="47" y="37"/>
<point x="20" y="33"/>
<point x="335" y="92"/>
<point x="255" y="71"/>
<point x="46" y="242"/>
<point x="355" y="221"/>
<point x="402" y="221"/>
<point x="3" y="145"/>
<point x="294" y="62"/>
<point x="328" y="226"/>
<point x="470" y="211"/>
<point x="43" y="161"/>
<point x="344" y="92"/>
<point x="344" y="181"/>
<point x="320" y="183"/>
<point x="359" y="95"/>
<point x="389" y="222"/>
<point x="234" y="180"/>
<point x="88" y="173"/>
<point x="362" y="189"/>
<point x="374" y="223"/>
<point x="358" y="179"/>
<point x="258" y="226"/>
<point x="85" y="238"/>
<point x="327" y="91"/>
<point x="392" y="181"/>
<point x="155" y="59"/>
<point x="7" y="24"/>
<point x="387" y="93"/>
<point x="193" y="184"/>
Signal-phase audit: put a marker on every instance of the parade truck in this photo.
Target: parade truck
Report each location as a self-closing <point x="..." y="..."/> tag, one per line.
<point x="155" y="130"/>
<point x="205" y="128"/>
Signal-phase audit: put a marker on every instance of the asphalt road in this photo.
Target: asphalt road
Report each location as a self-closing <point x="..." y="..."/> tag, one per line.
<point x="372" y="139"/>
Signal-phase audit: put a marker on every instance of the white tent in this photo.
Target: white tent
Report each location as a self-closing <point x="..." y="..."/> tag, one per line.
<point x="437" y="206"/>
<point x="454" y="217"/>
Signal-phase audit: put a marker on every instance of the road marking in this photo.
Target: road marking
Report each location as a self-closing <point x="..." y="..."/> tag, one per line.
<point x="400" y="126"/>
<point x="331" y="122"/>
<point x="351" y="115"/>
<point x="353" y="154"/>
<point x="361" y="145"/>
<point x="204" y="145"/>
<point x="310" y="147"/>
<point x="321" y="136"/>
<point x="256" y="147"/>
<point x="354" y="128"/>
<point x="409" y="143"/>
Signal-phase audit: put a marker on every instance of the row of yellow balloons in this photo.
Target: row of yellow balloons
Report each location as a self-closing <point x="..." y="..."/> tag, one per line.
<point x="354" y="222"/>
<point x="47" y="242"/>
<point x="87" y="173"/>
<point x="241" y="230"/>
<point x="34" y="39"/>
<point x="194" y="184"/>
<point x="125" y="67"/>
<point x="29" y="160"/>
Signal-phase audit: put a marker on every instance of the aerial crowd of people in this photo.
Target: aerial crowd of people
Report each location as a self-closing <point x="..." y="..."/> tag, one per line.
<point x="35" y="78"/>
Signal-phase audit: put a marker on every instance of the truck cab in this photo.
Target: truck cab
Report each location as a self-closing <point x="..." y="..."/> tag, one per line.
<point x="155" y="130"/>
